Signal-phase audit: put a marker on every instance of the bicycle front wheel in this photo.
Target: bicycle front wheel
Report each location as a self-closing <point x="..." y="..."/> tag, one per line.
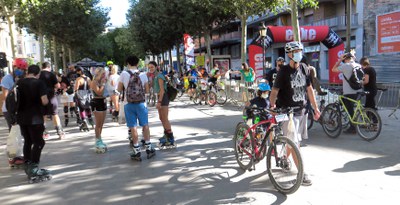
<point x="331" y="121"/>
<point x="196" y="97"/>
<point x="285" y="165"/>
<point x="370" y="124"/>
<point x="243" y="146"/>
<point x="221" y="96"/>
<point x="212" y="98"/>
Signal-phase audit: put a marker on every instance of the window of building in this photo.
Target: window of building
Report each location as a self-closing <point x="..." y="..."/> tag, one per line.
<point x="235" y="51"/>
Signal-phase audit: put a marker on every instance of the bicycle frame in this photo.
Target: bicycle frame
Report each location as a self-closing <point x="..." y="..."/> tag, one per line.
<point x="357" y="110"/>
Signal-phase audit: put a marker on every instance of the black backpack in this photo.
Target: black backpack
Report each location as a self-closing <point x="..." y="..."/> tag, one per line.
<point x="356" y="79"/>
<point x="12" y="103"/>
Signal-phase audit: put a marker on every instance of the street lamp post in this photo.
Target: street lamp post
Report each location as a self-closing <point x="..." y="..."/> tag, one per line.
<point x="263" y="34"/>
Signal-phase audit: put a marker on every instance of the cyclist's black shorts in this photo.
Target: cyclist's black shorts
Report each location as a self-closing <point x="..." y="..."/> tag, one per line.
<point x="192" y="84"/>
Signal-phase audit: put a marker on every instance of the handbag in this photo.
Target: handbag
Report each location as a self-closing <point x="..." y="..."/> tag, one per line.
<point x="15" y="142"/>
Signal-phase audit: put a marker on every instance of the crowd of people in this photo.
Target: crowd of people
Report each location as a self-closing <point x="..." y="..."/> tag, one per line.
<point x="83" y="93"/>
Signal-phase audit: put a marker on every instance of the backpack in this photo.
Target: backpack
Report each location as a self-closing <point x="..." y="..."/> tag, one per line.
<point x="12" y="103"/>
<point x="83" y="97"/>
<point x="171" y="92"/>
<point x="356" y="79"/>
<point x="135" y="92"/>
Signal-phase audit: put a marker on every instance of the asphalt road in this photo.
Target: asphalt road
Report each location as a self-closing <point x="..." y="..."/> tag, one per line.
<point x="203" y="169"/>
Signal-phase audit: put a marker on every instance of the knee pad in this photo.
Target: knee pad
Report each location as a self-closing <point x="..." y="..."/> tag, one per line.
<point x="65" y="109"/>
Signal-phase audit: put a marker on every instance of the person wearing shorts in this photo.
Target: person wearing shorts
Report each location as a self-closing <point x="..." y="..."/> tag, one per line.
<point x="52" y="84"/>
<point x="159" y="87"/>
<point x="99" y="102"/>
<point x="136" y="111"/>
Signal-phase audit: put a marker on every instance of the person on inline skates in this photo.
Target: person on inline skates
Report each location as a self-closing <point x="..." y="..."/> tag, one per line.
<point x="113" y="81"/>
<point x="32" y="98"/>
<point x="99" y="106"/>
<point x="51" y="82"/>
<point x="136" y="90"/>
<point x="69" y="80"/>
<point x="83" y="96"/>
<point x="160" y="87"/>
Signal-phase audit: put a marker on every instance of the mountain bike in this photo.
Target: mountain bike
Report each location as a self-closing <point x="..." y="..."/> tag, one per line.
<point x="284" y="161"/>
<point x="217" y="87"/>
<point x="367" y="121"/>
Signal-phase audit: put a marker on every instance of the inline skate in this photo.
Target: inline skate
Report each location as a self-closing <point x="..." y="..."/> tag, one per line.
<point x="60" y="132"/>
<point x="35" y="174"/>
<point x="135" y="155"/>
<point x="150" y="151"/>
<point x="16" y="162"/>
<point x="167" y="141"/>
<point x="83" y="127"/>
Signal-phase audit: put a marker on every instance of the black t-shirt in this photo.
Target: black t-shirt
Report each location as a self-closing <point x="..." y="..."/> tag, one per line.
<point x="50" y="80"/>
<point x="72" y="76"/>
<point x="292" y="85"/>
<point x="259" y="102"/>
<point x="271" y="75"/>
<point x="30" y="108"/>
<point x="371" y="86"/>
<point x="65" y="80"/>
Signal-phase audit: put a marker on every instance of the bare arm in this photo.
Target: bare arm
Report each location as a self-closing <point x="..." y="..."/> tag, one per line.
<point x="5" y="92"/>
<point x="366" y="79"/>
<point x="162" y="91"/>
<point x="97" y="87"/>
<point x="44" y="99"/>
<point x="273" y="96"/>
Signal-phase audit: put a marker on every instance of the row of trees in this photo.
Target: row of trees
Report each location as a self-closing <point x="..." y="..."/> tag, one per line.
<point x="158" y="25"/>
<point x="67" y="25"/>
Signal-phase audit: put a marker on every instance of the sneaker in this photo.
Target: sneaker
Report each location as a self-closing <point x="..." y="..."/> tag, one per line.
<point x="351" y="131"/>
<point x="306" y="181"/>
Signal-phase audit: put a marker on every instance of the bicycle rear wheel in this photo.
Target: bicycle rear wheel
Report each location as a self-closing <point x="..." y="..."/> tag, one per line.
<point x="285" y="165"/>
<point x="243" y="146"/>
<point x="331" y="121"/>
<point x="221" y="96"/>
<point x="371" y="124"/>
<point x="196" y="97"/>
<point x="212" y="98"/>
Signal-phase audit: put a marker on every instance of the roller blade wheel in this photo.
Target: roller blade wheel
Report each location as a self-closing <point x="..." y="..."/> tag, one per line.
<point x="136" y="157"/>
<point x="150" y="153"/>
<point x="101" y="150"/>
<point x="38" y="179"/>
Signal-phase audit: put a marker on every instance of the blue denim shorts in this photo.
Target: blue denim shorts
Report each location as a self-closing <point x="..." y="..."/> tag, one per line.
<point x="135" y="112"/>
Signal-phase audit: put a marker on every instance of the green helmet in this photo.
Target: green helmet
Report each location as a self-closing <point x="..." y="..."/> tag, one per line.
<point x="110" y="63"/>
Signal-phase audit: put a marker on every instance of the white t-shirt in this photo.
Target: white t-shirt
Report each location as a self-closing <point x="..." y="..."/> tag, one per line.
<point x="125" y="76"/>
<point x="203" y="84"/>
<point x="115" y="79"/>
<point x="347" y="69"/>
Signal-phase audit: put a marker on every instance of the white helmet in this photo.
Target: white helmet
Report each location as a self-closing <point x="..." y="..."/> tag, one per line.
<point x="292" y="46"/>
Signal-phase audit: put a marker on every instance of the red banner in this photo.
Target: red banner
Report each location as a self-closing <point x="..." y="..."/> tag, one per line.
<point x="333" y="56"/>
<point x="256" y="60"/>
<point x="282" y="34"/>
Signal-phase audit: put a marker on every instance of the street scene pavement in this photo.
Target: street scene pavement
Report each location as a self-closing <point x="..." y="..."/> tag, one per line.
<point x="203" y="169"/>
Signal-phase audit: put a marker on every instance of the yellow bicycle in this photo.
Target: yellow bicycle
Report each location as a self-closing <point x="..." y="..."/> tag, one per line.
<point x="367" y="121"/>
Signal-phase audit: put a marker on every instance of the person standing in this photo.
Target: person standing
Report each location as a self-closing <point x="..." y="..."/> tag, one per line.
<point x="346" y="68"/>
<point x="51" y="82"/>
<point x="291" y="88"/>
<point x="271" y="75"/>
<point x="114" y="94"/>
<point x="369" y="83"/>
<point x="7" y="83"/>
<point x="160" y="87"/>
<point x="32" y="97"/>
<point x="71" y="78"/>
<point x="99" y="106"/>
<point x="136" y="89"/>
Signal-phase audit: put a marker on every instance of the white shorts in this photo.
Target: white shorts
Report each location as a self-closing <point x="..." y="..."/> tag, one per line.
<point x="300" y="129"/>
<point x="71" y="98"/>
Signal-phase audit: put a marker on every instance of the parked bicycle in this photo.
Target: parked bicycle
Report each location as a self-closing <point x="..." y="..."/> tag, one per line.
<point x="284" y="162"/>
<point x="367" y="121"/>
<point x="310" y="111"/>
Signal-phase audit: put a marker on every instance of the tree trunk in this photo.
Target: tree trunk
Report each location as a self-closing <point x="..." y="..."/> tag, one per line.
<point x="64" y="62"/>
<point x="178" y="58"/>
<point x="70" y="55"/>
<point x="41" y="46"/>
<point x="208" y="48"/>
<point x="243" y="19"/>
<point x="170" y="60"/>
<point x="295" y="20"/>
<point x="55" y="54"/>
<point x="10" y="23"/>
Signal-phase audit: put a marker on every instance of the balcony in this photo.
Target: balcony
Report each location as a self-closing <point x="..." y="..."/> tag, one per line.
<point x="227" y="37"/>
<point x="336" y="23"/>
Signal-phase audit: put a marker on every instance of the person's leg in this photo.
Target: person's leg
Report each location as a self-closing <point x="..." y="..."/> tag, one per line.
<point x="100" y="116"/>
<point x="7" y="117"/>
<point x="66" y="116"/>
<point x="350" y="108"/>
<point x="27" y="142"/>
<point x="36" y="133"/>
<point x="370" y="100"/>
